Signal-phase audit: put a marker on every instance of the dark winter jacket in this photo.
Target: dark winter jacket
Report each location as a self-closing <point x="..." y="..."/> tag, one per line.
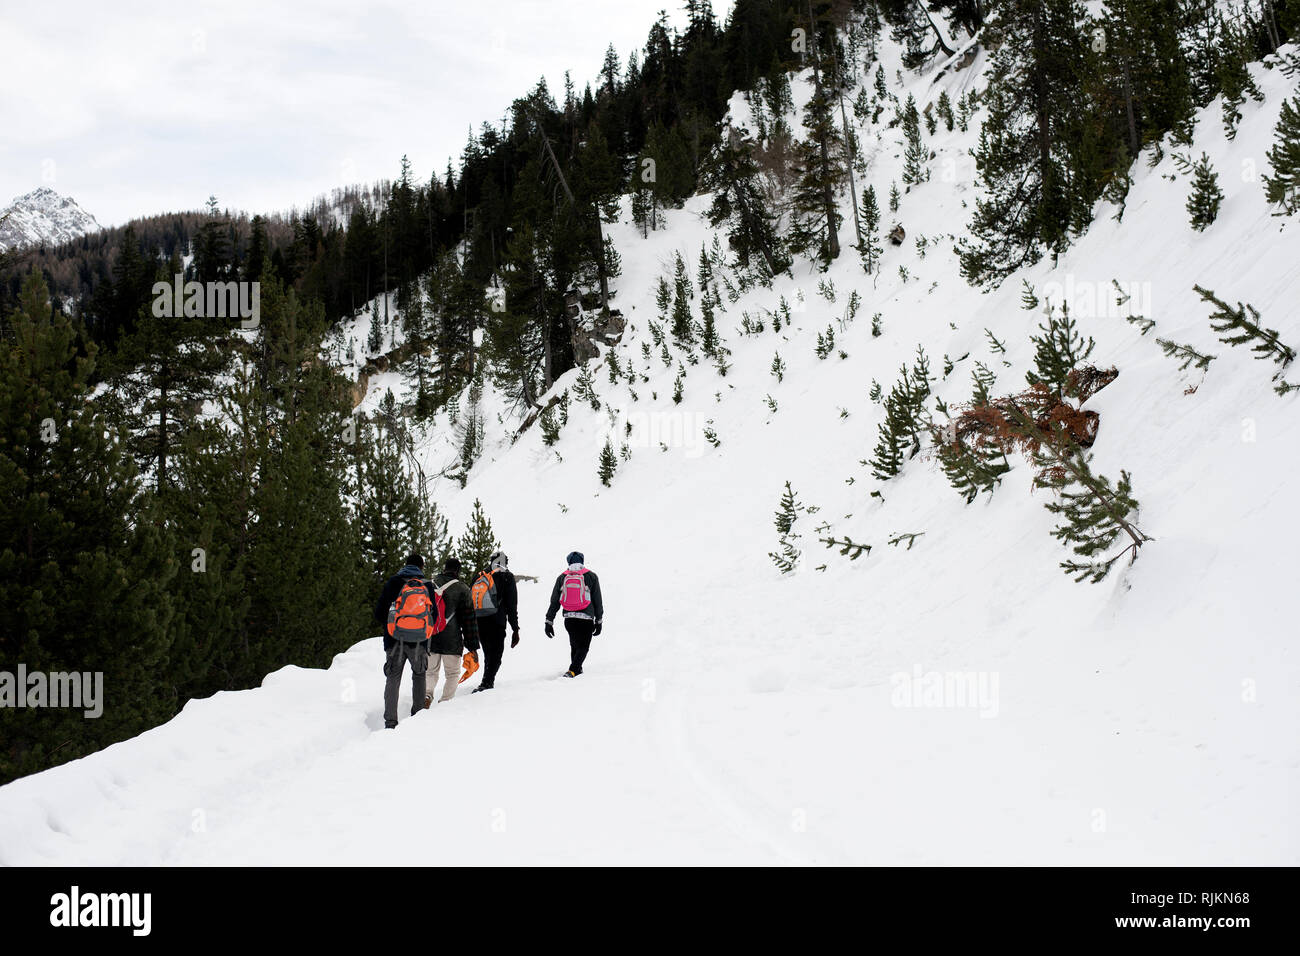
<point x="461" y="632"/>
<point x="393" y="587"/>
<point x="594" y="612"/>
<point x="507" y="600"/>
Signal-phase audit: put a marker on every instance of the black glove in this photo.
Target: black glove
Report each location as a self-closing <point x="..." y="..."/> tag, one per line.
<point x="514" y="638"/>
<point x="550" y="629"/>
<point x="596" y="630"/>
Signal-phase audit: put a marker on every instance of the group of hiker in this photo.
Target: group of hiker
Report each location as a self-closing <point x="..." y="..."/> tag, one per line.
<point x="439" y="624"/>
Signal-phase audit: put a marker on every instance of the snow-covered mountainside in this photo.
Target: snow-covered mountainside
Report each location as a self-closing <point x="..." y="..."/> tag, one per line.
<point x="948" y="697"/>
<point x="43" y="217"/>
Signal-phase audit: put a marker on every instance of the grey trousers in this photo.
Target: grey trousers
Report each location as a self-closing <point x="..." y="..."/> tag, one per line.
<point x="398" y="656"/>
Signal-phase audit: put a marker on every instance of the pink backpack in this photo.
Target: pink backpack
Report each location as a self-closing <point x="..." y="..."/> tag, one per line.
<point x="574" y="594"/>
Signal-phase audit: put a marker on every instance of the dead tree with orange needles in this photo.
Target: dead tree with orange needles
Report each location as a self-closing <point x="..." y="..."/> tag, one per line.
<point x="1096" y="514"/>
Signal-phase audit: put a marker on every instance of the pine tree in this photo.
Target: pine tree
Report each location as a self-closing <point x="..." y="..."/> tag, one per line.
<point x="663" y="300"/>
<point x="477" y="542"/>
<point x="1058" y="351"/>
<point x="869" y="249"/>
<point x="375" y="338"/>
<point x="644" y="207"/>
<point x="515" y="340"/>
<point x="1235" y="82"/>
<point x="1029" y="156"/>
<point x="681" y="327"/>
<point x="395" y="516"/>
<point x="914" y="154"/>
<point x="905" y="419"/>
<point x="819" y="162"/>
<point x="1094" y="513"/>
<point x="417" y="370"/>
<point x="787" y="557"/>
<point x="308" y="584"/>
<point x="596" y="175"/>
<point x="1235" y="328"/>
<point x="708" y="330"/>
<point x="550" y="426"/>
<point x="848" y="547"/>
<point x="471" y="443"/>
<point x="259" y="248"/>
<point x="887" y="459"/>
<point x="970" y="455"/>
<point x="167" y="367"/>
<point x="1145" y="83"/>
<point x="825" y="343"/>
<point x="85" y="562"/>
<point x="213" y="256"/>
<point x="944" y="109"/>
<point x="1187" y="354"/>
<point x="608" y="463"/>
<point x="585" y="389"/>
<point x="1203" y="203"/>
<point x="674" y="172"/>
<point x="1283" y="186"/>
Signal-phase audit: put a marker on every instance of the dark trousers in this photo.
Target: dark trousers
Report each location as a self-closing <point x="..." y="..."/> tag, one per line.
<point x="579" y="641"/>
<point x="398" y="656"/>
<point x="492" y="635"/>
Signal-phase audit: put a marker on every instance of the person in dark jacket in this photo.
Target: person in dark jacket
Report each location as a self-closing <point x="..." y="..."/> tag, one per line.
<point x="492" y="626"/>
<point x="397" y="654"/>
<point x="461" y="632"/>
<point x="583" y="623"/>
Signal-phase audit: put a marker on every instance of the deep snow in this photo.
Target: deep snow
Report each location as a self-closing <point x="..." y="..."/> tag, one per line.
<point x="732" y="715"/>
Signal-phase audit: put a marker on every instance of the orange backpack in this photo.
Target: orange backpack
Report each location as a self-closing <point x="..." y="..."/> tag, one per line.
<point x="415" y="616"/>
<point x="484" y="595"/>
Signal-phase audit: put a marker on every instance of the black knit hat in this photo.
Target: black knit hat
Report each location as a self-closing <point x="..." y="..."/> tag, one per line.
<point x="575" y="557"/>
<point x="452" y="566"/>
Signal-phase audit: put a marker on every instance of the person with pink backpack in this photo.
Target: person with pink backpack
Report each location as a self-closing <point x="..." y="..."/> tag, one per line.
<point x="577" y="592"/>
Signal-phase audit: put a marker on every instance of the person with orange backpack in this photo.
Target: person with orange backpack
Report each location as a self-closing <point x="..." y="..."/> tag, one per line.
<point x="458" y="636"/>
<point x="412" y="611"/>
<point x="577" y="591"/>
<point x="496" y="602"/>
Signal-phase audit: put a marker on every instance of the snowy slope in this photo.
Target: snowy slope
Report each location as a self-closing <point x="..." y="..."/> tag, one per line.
<point x="729" y="714"/>
<point x="43" y="217"/>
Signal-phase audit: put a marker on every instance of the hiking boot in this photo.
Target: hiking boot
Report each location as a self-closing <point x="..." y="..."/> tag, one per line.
<point x="481" y="687"/>
<point x="428" y="701"/>
<point x="570" y="673"/>
<point x="390" y="725"/>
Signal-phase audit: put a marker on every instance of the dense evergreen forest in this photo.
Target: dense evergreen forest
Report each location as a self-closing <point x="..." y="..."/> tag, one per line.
<point x="191" y="507"/>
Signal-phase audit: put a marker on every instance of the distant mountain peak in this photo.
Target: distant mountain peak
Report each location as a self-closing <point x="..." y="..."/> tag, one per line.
<point x="43" y="217"/>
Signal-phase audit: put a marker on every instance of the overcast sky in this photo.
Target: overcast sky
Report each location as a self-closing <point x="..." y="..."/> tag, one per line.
<point x="134" y="108"/>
